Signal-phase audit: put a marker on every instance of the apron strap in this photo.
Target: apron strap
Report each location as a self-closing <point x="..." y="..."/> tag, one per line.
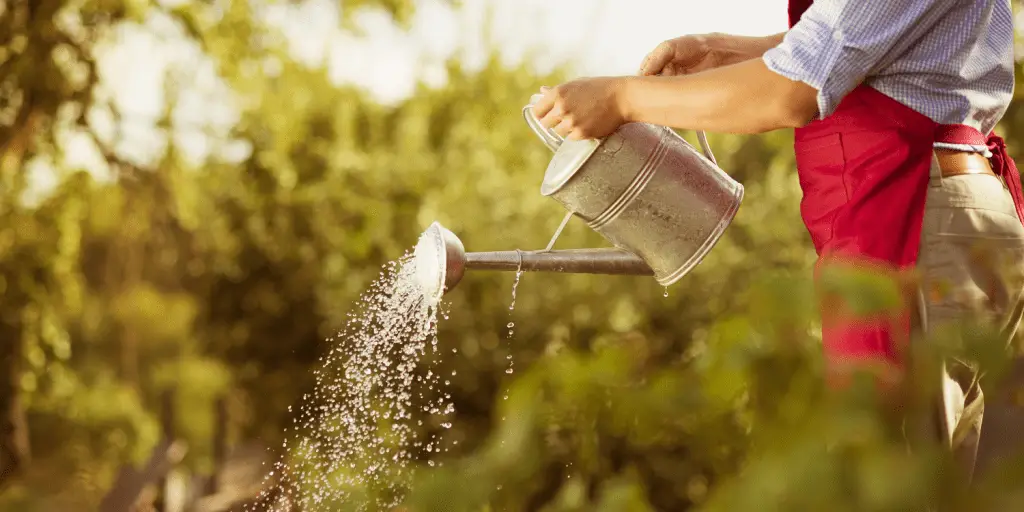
<point x="1007" y="168"/>
<point x="796" y="10"/>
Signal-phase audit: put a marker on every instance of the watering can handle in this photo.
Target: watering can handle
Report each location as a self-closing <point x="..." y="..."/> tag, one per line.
<point x="554" y="141"/>
<point x="548" y="136"/>
<point x="705" y="147"/>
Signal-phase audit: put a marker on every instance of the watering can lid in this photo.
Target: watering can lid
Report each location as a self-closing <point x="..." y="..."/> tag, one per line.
<point x="571" y="155"/>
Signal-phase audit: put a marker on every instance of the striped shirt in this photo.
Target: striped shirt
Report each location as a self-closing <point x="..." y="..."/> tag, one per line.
<point x="950" y="60"/>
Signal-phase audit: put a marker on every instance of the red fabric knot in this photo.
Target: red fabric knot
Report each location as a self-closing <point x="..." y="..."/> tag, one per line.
<point x="1000" y="159"/>
<point x="1005" y="167"/>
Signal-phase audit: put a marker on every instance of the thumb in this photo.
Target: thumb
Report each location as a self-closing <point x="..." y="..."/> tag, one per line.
<point x="681" y="55"/>
<point x="657" y="59"/>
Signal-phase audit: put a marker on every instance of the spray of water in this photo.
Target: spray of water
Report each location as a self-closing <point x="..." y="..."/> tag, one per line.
<point x="378" y="407"/>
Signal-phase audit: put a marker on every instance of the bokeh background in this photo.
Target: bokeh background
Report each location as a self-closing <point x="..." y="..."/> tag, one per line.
<point x="193" y="194"/>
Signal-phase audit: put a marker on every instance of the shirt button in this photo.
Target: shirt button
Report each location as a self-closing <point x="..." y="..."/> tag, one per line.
<point x="839" y="34"/>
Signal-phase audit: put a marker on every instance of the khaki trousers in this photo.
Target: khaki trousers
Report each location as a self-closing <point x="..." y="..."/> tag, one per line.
<point x="972" y="268"/>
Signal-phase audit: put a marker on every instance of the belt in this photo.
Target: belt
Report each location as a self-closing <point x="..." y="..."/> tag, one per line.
<point x="958" y="163"/>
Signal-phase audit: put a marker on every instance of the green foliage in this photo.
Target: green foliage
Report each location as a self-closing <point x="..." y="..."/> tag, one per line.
<point x="222" y="280"/>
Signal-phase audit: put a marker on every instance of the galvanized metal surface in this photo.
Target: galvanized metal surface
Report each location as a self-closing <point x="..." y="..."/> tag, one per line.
<point x="647" y="191"/>
<point x="443" y="261"/>
<point x="574" y="261"/>
<point x="570" y="155"/>
<point x="644" y="188"/>
<point x="440" y="260"/>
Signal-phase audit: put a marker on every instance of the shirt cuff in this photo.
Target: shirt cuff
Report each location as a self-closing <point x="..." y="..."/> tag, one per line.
<point x="810" y="56"/>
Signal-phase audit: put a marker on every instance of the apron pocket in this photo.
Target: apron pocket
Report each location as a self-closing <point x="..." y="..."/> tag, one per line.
<point x="821" y="166"/>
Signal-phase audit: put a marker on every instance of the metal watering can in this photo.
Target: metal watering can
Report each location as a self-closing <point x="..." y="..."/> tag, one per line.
<point x="661" y="203"/>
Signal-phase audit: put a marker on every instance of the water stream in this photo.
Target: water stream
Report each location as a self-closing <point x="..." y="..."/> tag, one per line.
<point x="511" y="324"/>
<point x="511" y="328"/>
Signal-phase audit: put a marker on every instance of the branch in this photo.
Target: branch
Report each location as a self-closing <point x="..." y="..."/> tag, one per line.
<point x="121" y="167"/>
<point x="130" y="483"/>
<point x="13" y="152"/>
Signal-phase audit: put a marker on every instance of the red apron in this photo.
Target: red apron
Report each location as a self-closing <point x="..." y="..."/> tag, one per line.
<point x="864" y="174"/>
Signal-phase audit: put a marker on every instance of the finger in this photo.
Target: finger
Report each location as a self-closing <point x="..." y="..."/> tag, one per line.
<point x="657" y="59"/>
<point x="564" y="128"/>
<point x="674" y="68"/>
<point x="576" y="134"/>
<point x="553" y="117"/>
<point x="643" y="65"/>
<point x="544" y="104"/>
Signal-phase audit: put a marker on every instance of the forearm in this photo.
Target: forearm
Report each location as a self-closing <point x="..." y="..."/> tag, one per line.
<point x="741" y="98"/>
<point x="735" y="49"/>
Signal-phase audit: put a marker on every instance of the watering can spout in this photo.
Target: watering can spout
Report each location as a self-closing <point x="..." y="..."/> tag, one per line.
<point x="441" y="261"/>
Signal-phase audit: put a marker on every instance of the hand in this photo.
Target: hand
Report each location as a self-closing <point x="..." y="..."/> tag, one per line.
<point x="681" y="56"/>
<point x="588" y="108"/>
<point x="695" y="53"/>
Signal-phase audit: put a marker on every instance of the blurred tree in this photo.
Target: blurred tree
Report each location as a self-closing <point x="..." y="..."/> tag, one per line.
<point x="134" y="245"/>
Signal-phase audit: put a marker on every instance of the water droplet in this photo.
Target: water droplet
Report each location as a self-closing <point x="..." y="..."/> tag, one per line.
<point x="666" y="291"/>
<point x="508" y="370"/>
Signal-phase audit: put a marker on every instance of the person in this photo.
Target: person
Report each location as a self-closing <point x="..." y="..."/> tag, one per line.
<point x="893" y="105"/>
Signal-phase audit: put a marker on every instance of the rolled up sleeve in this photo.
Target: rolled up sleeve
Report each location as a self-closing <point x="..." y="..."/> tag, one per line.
<point x="838" y="44"/>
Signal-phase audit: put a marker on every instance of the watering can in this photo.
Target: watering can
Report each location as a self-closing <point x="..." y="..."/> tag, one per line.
<point x="659" y="201"/>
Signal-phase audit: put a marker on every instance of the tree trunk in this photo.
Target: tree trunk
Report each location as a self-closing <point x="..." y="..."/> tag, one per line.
<point x="14" y="446"/>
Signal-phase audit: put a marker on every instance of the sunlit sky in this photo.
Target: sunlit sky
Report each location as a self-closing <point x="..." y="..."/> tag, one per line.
<point x="598" y="37"/>
<point x="601" y="37"/>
